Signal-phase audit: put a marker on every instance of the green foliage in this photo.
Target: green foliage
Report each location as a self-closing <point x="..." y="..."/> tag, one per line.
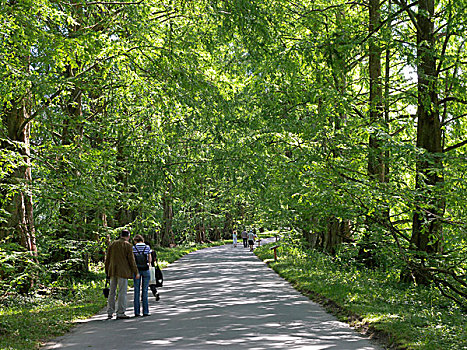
<point x="18" y="269"/>
<point x="185" y="120"/>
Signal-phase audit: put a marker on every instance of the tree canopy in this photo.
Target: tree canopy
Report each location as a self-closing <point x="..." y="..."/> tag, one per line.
<point x="343" y="121"/>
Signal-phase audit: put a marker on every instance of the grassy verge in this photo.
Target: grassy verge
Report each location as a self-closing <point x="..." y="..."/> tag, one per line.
<point x="28" y="321"/>
<point x="406" y="317"/>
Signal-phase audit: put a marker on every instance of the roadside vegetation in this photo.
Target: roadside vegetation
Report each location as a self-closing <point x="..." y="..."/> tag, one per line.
<point x="403" y="316"/>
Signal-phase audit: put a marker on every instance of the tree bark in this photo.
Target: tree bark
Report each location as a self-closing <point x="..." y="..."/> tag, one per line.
<point x="20" y="224"/>
<point x="376" y="156"/>
<point x="72" y="131"/>
<point x="332" y="234"/>
<point x="200" y="232"/>
<point x="429" y="206"/>
<point x="376" y="164"/>
<point x="228" y="226"/>
<point x="427" y="229"/>
<point x="122" y="213"/>
<point x="166" y="232"/>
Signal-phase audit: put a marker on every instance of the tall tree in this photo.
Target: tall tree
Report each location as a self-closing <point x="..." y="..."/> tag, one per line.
<point x="16" y="117"/>
<point x="376" y="165"/>
<point x="20" y="223"/>
<point x="427" y="228"/>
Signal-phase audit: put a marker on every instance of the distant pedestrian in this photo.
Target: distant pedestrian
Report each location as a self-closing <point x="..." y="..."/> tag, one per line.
<point x="235" y="239"/>
<point x="244" y="237"/>
<point x="153" y="287"/>
<point x="251" y="239"/>
<point x="120" y="265"/>
<point x="143" y="258"/>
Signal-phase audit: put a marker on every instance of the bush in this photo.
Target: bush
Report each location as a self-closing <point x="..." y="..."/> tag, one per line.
<point x="19" y="270"/>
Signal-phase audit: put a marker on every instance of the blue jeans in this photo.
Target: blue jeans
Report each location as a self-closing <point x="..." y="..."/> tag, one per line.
<point x="144" y="276"/>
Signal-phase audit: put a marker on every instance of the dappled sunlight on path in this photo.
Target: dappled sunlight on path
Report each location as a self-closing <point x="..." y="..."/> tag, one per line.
<point x="220" y="297"/>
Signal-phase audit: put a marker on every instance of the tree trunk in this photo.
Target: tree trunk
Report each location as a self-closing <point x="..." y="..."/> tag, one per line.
<point x="20" y="224"/>
<point x="122" y="213"/>
<point x="228" y="226"/>
<point x="333" y="234"/>
<point x="376" y="164"/>
<point x="376" y="157"/>
<point x="215" y="234"/>
<point x="429" y="208"/>
<point x="426" y="230"/>
<point x="200" y="232"/>
<point x="72" y="131"/>
<point x="166" y="232"/>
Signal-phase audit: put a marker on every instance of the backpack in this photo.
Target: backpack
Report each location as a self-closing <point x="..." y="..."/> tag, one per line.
<point x="141" y="260"/>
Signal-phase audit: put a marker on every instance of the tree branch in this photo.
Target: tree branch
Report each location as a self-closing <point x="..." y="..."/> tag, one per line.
<point x="450" y="99"/>
<point x="453" y="119"/>
<point x="391" y="17"/>
<point x="114" y="3"/>
<point x="453" y="147"/>
<point x="409" y="11"/>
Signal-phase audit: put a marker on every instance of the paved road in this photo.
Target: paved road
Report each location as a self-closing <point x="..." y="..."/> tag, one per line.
<point x="220" y="297"/>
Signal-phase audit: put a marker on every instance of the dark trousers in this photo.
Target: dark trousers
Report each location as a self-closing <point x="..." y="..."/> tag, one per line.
<point x="245" y="243"/>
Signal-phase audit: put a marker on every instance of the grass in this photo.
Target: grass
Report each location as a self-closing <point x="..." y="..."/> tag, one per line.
<point x="26" y="322"/>
<point x="403" y="316"/>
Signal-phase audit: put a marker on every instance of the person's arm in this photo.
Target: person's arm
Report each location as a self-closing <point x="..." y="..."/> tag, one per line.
<point x="149" y="258"/>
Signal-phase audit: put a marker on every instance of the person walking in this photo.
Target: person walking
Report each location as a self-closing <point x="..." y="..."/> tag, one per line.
<point x="143" y="258"/>
<point x="235" y="239"/>
<point x="244" y="237"/>
<point x="153" y="287"/>
<point x="251" y="239"/>
<point x="120" y="265"/>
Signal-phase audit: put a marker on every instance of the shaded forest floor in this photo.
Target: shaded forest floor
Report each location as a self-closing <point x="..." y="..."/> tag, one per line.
<point x="373" y="301"/>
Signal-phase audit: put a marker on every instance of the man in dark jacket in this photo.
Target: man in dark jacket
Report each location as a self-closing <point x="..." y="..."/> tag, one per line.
<point x="120" y="265"/>
<point x="244" y="237"/>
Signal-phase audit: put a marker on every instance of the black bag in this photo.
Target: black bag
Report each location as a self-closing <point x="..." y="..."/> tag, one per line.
<point x="157" y="271"/>
<point x="141" y="260"/>
<point x="106" y="290"/>
<point x="159" y="276"/>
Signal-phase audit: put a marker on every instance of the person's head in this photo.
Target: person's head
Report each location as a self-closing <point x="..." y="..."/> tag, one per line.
<point x="125" y="234"/>
<point x="138" y="239"/>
